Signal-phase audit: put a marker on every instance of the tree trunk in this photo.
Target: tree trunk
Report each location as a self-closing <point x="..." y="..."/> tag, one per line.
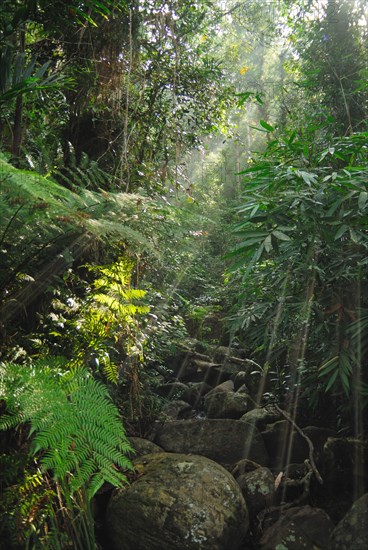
<point x="18" y="115"/>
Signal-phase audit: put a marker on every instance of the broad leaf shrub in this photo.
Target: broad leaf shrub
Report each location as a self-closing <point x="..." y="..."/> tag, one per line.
<point x="301" y="262"/>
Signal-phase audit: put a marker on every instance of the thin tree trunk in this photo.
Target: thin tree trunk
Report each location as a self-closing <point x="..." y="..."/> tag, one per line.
<point x="18" y="115"/>
<point x="17" y="127"/>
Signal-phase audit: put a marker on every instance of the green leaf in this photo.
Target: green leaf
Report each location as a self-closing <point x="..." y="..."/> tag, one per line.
<point x="268" y="243"/>
<point x="362" y="201"/>
<point x="280" y="235"/>
<point x="334" y="207"/>
<point x="307" y="177"/>
<point x="254" y="259"/>
<point x="257" y="168"/>
<point x="266" y="126"/>
<point x="327" y="367"/>
<point x="331" y="381"/>
<point x="258" y="129"/>
<point x="341" y="231"/>
<point x="243" y="97"/>
<point x="254" y="211"/>
<point x="354" y="236"/>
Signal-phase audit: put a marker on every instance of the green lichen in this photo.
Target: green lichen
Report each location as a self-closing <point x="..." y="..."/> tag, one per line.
<point x="184" y="466"/>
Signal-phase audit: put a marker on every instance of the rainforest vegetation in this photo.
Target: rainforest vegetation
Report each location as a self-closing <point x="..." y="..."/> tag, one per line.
<point x="170" y="172"/>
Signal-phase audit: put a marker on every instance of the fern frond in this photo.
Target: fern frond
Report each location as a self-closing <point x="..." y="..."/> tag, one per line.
<point x="78" y="430"/>
<point x="110" y="370"/>
<point x="95" y="484"/>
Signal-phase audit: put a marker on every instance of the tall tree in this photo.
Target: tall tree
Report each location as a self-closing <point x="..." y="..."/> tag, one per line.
<point x="331" y="45"/>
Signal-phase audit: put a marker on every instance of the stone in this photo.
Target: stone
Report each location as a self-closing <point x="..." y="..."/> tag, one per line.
<point x="243" y="389"/>
<point x="176" y="409"/>
<point x="293" y="483"/>
<point x="181" y="502"/>
<point x="224" y="440"/>
<point x="181" y="364"/>
<point x="255" y="378"/>
<point x="243" y="466"/>
<point x="345" y="465"/>
<point x="200" y="370"/>
<point x="260" y="417"/>
<point x="171" y="390"/>
<point x="284" y="444"/>
<point x="241" y="378"/>
<point x="207" y="371"/>
<point x="195" y="391"/>
<point x="226" y="386"/>
<point x="299" y="528"/>
<point x="225" y="404"/>
<point x="351" y="533"/>
<point x="144" y="446"/>
<point x="258" y="488"/>
<point x="224" y="372"/>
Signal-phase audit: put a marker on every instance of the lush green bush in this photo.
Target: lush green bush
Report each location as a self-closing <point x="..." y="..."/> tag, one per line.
<point x="302" y="259"/>
<point x="77" y="443"/>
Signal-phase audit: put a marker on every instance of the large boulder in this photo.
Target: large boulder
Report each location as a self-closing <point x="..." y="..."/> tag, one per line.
<point x="351" y="533"/>
<point x="181" y="502"/>
<point x="299" y="528"/>
<point x="224" y="440"/>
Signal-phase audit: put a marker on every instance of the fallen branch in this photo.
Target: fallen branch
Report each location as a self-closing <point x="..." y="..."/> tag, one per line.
<point x="310" y="443"/>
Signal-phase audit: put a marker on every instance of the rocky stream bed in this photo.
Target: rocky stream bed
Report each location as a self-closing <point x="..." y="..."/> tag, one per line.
<point x="220" y="472"/>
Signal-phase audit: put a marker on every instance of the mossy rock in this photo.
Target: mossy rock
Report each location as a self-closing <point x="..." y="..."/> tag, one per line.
<point x="181" y="502"/>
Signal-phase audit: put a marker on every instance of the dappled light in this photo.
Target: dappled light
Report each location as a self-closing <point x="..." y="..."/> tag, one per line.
<point x="183" y="275"/>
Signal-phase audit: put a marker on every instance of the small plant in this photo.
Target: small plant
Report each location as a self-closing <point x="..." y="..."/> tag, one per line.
<point x="102" y="331"/>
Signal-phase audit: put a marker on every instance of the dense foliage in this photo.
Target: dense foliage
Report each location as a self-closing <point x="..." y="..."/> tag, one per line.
<point x="304" y="239"/>
<point x="171" y="172"/>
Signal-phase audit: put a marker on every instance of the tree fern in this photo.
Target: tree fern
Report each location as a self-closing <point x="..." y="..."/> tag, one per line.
<point x="76" y="430"/>
<point x="45" y="227"/>
<point x="55" y="207"/>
